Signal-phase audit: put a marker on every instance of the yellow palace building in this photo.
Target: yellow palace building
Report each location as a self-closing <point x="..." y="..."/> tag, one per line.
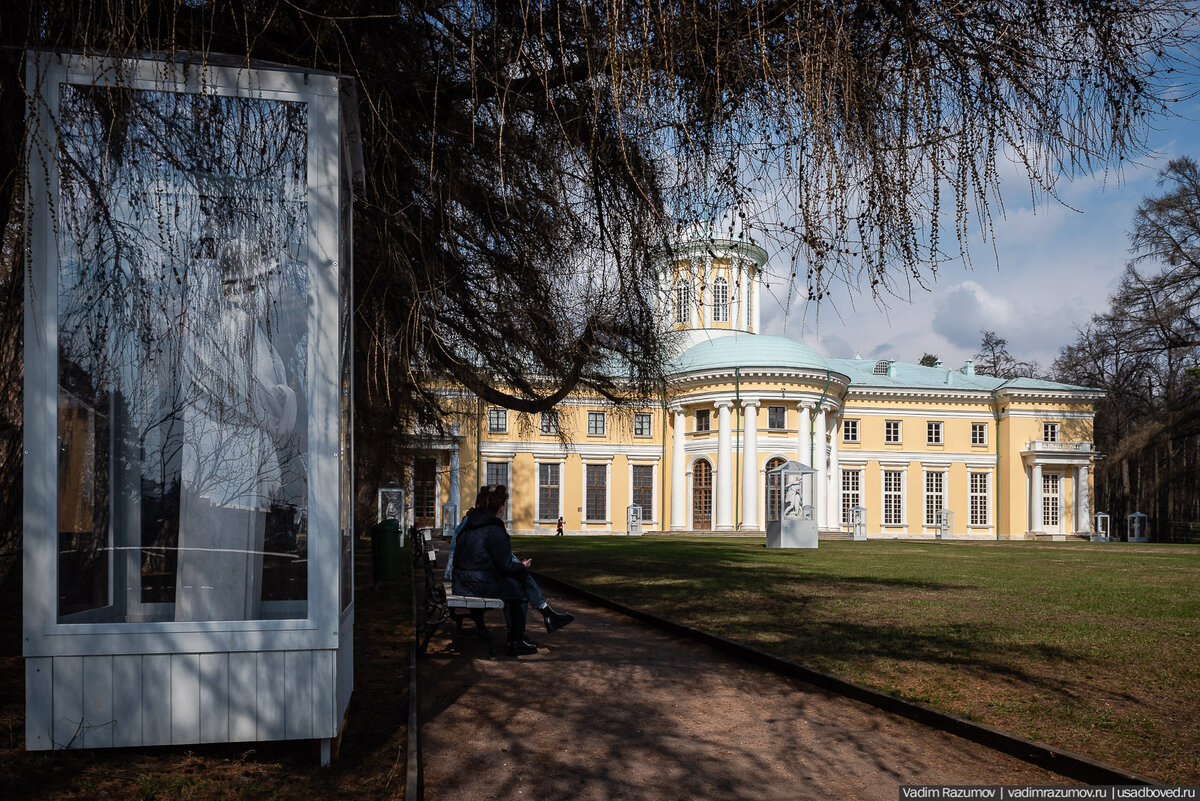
<point x="921" y="451"/>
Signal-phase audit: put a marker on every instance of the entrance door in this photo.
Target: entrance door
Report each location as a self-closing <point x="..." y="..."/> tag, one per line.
<point x="1051" y="508"/>
<point x="425" y="493"/>
<point x="701" y="495"/>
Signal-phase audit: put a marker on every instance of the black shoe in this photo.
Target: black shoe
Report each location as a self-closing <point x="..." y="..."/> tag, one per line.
<point x="556" y="620"/>
<point x="519" y="647"/>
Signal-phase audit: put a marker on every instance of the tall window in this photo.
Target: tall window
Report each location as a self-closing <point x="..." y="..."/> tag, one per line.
<point x="683" y="302"/>
<point x="893" y="497"/>
<point x="424" y="491"/>
<point x="550" y="423"/>
<point x="935" y="496"/>
<point x="749" y="301"/>
<point x="774" y="494"/>
<point x="595" y="424"/>
<point x="548" y="492"/>
<point x="777" y="417"/>
<point x="851" y="493"/>
<point x="720" y="301"/>
<point x="1049" y="432"/>
<point x="891" y="432"/>
<point x="978" y="500"/>
<point x="849" y="431"/>
<point x="497" y="421"/>
<point x="979" y="433"/>
<point x="642" y="422"/>
<point x="643" y="489"/>
<point x="597" y="492"/>
<point x="1050" y="505"/>
<point x="702" y="495"/>
<point x="933" y="433"/>
<point x="703" y="420"/>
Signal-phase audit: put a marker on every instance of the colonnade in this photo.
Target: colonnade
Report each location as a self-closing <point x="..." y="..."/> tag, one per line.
<point x="816" y="445"/>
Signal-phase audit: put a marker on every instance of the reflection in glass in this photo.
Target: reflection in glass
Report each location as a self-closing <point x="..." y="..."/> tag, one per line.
<point x="182" y="229"/>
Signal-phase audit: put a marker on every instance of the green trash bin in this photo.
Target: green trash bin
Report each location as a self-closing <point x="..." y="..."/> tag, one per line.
<point x="385" y="550"/>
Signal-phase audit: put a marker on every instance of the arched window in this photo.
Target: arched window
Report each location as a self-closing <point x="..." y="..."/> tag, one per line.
<point x="683" y="302"/>
<point x="773" y="495"/>
<point x="881" y="367"/>
<point x="702" y="499"/>
<point x="720" y="301"/>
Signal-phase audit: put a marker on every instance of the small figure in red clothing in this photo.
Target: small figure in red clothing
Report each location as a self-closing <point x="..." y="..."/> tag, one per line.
<point x="558" y="532"/>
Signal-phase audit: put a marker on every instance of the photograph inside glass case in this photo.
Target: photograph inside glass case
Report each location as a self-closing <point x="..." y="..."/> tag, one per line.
<point x="182" y="228"/>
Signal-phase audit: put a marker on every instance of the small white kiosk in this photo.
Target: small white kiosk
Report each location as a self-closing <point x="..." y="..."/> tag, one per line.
<point x="633" y="520"/>
<point x="792" y="512"/>
<point x="1137" y="528"/>
<point x="1101" y="531"/>
<point x="188" y="528"/>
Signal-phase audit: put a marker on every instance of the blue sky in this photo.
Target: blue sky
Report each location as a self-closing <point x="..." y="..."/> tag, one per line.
<point x="1056" y="267"/>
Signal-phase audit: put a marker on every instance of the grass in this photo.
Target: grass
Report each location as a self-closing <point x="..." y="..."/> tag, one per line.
<point x="1090" y="647"/>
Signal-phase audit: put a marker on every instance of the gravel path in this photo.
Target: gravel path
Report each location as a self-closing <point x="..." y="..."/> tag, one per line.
<point x="611" y="708"/>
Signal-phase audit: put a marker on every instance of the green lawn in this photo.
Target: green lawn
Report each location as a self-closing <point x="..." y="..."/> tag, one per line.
<point x="1090" y="647"/>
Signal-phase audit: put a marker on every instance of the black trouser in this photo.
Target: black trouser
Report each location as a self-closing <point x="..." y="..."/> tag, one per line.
<point x="514" y="608"/>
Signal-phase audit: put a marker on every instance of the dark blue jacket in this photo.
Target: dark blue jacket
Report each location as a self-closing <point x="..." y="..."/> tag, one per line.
<point x="483" y="559"/>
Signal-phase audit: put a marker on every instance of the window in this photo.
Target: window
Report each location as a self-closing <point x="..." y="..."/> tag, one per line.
<point x="935" y="496"/>
<point x="642" y="422"/>
<point x="773" y="493"/>
<point x="1049" y="432"/>
<point x="849" y="431"/>
<point x="777" y="417"/>
<point x="548" y="493"/>
<point x="749" y="301"/>
<point x="979" y="433"/>
<point x="683" y="302"/>
<point x="425" y="491"/>
<point x="497" y="473"/>
<point x="703" y="420"/>
<point x="643" y="489"/>
<point x="851" y="493"/>
<point x="891" y="432"/>
<point x="893" y="497"/>
<point x="978" y="498"/>
<point x="550" y="423"/>
<point x="595" y="424"/>
<point x="1050" y="505"/>
<point x="702" y="498"/>
<point x="720" y="301"/>
<point x="497" y="421"/>
<point x="597" y="492"/>
<point x="881" y="367"/>
<point x="933" y="433"/>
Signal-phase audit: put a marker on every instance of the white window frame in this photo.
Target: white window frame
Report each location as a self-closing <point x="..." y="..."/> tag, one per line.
<point x="648" y="418"/>
<point x="850" y="430"/>
<point x="981" y="429"/>
<point x="851" y="496"/>
<point x="888" y="427"/>
<point x="899" y="493"/>
<point x="549" y="422"/>
<point x="646" y="520"/>
<point x="930" y="515"/>
<point x="979" y="498"/>
<point x="597" y="423"/>
<point x="1051" y="432"/>
<point x="497" y="420"/>
<point x="683" y="302"/>
<point x="506" y="461"/>
<point x="707" y="421"/>
<point x="606" y="464"/>
<point x="720" y="300"/>
<point x="935" y="432"/>
<point x="782" y="411"/>
<point x="538" y="473"/>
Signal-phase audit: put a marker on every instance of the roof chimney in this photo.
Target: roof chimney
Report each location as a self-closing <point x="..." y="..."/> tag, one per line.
<point x="969" y="368"/>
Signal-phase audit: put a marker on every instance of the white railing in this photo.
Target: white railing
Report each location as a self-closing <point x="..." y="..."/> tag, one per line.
<point x="1071" y="447"/>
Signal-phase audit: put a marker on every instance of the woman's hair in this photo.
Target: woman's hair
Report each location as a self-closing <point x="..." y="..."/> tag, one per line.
<point x="492" y="497"/>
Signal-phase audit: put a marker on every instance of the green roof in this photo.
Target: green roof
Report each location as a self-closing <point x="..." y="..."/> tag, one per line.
<point x="748" y="350"/>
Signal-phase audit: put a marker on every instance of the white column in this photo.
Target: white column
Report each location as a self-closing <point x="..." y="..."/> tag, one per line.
<point x="724" y="510"/>
<point x="820" y="492"/>
<point x="453" y="490"/>
<point x="1083" y="508"/>
<point x="1035" y="500"/>
<point x="678" y="477"/>
<point x="750" y="467"/>
<point x="804" y="448"/>
<point x="834" y="518"/>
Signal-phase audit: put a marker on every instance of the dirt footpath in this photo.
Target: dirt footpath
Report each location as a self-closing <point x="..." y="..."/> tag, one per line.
<point x="611" y="708"/>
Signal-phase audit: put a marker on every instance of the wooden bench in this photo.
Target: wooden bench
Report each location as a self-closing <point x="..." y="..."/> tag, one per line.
<point x="441" y="604"/>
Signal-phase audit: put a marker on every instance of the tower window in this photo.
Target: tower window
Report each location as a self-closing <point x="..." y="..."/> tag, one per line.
<point x="683" y="302"/>
<point x="720" y="301"/>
